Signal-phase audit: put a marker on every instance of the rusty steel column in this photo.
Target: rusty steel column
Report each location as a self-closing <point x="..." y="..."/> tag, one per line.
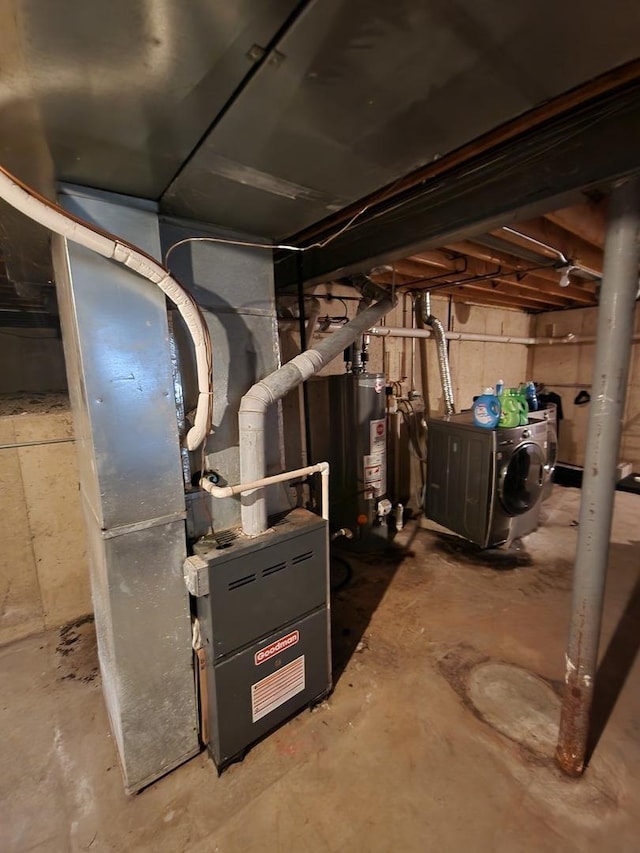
<point x="613" y="349"/>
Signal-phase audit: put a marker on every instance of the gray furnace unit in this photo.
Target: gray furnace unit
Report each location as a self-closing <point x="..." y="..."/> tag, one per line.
<point x="262" y="606"/>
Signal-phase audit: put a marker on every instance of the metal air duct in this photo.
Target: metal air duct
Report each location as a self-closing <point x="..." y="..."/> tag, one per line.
<point x="443" y="356"/>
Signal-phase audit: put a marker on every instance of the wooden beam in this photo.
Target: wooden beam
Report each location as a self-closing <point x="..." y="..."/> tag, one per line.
<point x="481" y="269"/>
<point x="504" y="259"/>
<point x="464" y="294"/>
<point x="442" y="259"/>
<point x="588" y="221"/>
<point x="541" y="280"/>
<point x="494" y="288"/>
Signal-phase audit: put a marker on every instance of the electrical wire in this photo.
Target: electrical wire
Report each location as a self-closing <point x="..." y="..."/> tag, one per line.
<point x="348" y="572"/>
<point x="384" y="195"/>
<point x="318" y="244"/>
<point x="247" y="244"/>
<point x="346" y="308"/>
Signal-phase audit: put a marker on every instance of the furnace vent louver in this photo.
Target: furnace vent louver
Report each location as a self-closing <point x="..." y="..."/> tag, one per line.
<point x="239" y="582"/>
<point x="273" y="569"/>
<point x="302" y="557"/>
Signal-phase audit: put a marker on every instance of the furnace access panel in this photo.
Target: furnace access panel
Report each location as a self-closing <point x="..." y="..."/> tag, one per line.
<point x="264" y="623"/>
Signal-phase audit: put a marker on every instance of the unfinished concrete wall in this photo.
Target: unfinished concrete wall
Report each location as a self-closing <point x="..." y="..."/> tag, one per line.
<point x="33" y="360"/>
<point x="473" y="364"/>
<point x="44" y="579"/>
<point x="568" y="369"/>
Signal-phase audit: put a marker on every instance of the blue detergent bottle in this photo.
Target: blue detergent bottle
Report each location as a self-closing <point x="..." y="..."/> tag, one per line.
<point x="486" y="410"/>
<point x="532" y="397"/>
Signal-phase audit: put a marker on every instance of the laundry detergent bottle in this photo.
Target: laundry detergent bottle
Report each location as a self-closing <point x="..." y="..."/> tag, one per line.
<point x="486" y="410"/>
<point x="520" y="396"/>
<point x="510" y="408"/>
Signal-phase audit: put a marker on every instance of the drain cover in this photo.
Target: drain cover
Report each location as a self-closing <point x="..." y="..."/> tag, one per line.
<point x="516" y="703"/>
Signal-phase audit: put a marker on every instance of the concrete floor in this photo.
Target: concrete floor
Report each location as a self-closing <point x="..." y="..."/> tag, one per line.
<point x="399" y="758"/>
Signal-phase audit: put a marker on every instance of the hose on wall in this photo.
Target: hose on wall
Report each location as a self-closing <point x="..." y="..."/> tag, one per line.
<point x="38" y="208"/>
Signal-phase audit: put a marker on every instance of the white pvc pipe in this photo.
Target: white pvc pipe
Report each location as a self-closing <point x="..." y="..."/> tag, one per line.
<point x="401" y="332"/>
<point x="321" y="468"/>
<point x="41" y="210"/>
<point x="255" y="403"/>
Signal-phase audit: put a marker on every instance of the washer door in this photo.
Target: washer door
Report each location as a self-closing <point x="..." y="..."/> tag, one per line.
<point x="521" y="479"/>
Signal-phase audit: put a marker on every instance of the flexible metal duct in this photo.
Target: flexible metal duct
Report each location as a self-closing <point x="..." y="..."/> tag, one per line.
<point x="443" y="357"/>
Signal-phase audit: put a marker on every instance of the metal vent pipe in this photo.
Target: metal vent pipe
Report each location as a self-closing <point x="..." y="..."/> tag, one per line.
<point x="443" y="356"/>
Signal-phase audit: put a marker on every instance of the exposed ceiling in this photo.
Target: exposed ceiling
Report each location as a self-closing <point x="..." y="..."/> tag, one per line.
<point x="269" y="117"/>
<point x="544" y="264"/>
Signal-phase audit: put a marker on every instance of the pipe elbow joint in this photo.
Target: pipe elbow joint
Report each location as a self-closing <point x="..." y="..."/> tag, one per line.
<point x="257" y="399"/>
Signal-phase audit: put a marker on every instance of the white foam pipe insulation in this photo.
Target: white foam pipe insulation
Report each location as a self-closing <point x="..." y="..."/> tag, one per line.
<point x="255" y="403"/>
<point x="51" y="216"/>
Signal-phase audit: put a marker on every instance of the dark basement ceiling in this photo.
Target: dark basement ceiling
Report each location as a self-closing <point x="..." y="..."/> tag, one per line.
<point x="270" y="117"/>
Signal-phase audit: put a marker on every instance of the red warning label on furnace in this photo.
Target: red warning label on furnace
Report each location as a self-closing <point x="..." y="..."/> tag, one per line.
<point x="275" y="648"/>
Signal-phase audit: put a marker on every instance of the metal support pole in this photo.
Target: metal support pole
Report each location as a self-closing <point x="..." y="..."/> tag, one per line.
<point x="613" y="349"/>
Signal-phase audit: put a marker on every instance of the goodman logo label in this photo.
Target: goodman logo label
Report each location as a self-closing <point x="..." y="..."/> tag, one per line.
<point x="275" y="648"/>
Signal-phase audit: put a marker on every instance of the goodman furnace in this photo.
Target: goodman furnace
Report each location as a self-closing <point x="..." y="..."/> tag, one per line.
<point x="262" y="606"/>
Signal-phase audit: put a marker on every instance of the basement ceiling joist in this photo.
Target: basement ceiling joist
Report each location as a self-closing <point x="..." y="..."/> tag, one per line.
<point x="549" y="263"/>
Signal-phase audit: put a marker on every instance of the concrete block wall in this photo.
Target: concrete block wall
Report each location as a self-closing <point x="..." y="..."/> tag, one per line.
<point x="566" y="369"/>
<point x="474" y="365"/>
<point x="44" y="580"/>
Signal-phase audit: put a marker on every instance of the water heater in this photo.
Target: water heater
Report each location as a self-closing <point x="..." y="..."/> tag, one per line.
<point x="348" y="429"/>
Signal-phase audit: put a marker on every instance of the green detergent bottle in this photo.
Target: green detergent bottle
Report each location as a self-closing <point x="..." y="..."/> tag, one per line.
<point x="510" y="409"/>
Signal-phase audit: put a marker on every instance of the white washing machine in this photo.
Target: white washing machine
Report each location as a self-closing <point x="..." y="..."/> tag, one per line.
<point x="485" y="485"/>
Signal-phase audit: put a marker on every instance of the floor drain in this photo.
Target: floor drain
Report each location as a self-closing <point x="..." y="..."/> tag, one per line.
<point x="516" y="703"/>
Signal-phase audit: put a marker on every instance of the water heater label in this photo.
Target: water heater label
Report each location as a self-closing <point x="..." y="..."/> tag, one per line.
<point x="377" y="436"/>
<point x="277" y="688"/>
<point x="375" y="474"/>
<point x="275" y="648"/>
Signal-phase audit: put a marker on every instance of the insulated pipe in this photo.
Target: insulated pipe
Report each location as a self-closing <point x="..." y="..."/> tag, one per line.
<point x="321" y="468"/>
<point x="443" y="357"/>
<point x="610" y="374"/>
<point x="51" y="216"/>
<point x="400" y="332"/>
<point x="254" y="404"/>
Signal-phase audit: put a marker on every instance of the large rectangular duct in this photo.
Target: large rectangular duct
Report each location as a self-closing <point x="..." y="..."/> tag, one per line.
<point x="116" y="342"/>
